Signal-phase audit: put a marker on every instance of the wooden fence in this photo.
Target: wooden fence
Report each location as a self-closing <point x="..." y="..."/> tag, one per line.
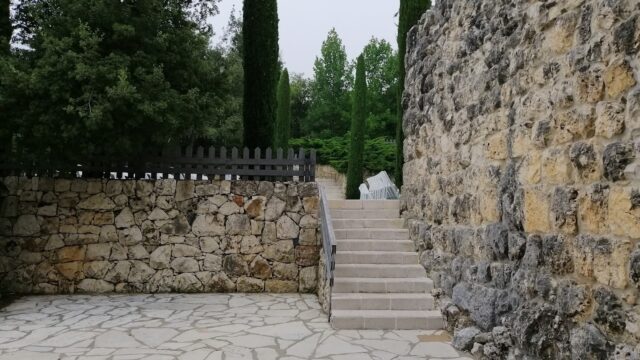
<point x="182" y="163"/>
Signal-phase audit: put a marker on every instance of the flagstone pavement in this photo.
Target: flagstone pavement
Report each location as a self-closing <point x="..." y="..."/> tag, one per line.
<point x="195" y="327"/>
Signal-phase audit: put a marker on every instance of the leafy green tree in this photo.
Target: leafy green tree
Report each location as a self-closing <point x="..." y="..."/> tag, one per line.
<point x="112" y="78"/>
<point x="329" y="113"/>
<point x="410" y="12"/>
<point x="261" y="71"/>
<point x="5" y="27"/>
<point x="283" y="122"/>
<point x="358" y="125"/>
<point x="382" y="83"/>
<point x="300" y="103"/>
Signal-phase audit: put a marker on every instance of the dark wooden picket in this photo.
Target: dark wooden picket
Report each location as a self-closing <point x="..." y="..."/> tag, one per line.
<point x="182" y="163"/>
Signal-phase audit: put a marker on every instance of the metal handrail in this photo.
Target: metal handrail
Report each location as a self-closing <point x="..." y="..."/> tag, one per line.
<point x="328" y="236"/>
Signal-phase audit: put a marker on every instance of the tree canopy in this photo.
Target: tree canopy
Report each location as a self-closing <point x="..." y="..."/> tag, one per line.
<point x="261" y="71"/>
<point x="113" y="78"/>
<point x="382" y="88"/>
<point x="410" y="12"/>
<point x="358" y="126"/>
<point x="283" y="122"/>
<point x="329" y="113"/>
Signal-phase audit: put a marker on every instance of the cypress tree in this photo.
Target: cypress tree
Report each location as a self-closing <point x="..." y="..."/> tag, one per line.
<point x="283" y="122"/>
<point x="261" y="69"/>
<point x="5" y="27"/>
<point x="410" y="12"/>
<point x="358" y="123"/>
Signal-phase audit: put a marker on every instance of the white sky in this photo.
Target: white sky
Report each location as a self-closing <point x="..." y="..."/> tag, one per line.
<point x="304" y="24"/>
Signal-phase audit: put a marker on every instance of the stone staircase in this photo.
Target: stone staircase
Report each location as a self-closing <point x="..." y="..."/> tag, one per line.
<point x="378" y="282"/>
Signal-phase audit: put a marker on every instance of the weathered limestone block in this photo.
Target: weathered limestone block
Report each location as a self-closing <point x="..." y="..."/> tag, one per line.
<point x="97" y="202"/>
<point x="125" y="219"/>
<point x="260" y="268"/>
<point x="275" y="208"/>
<point x="308" y="279"/>
<point x="185" y="190"/>
<point x="137" y="252"/>
<point x="286" y="228"/>
<point x="256" y="207"/>
<point x="282" y="251"/>
<point x="119" y="272"/>
<point x="610" y="120"/>
<point x="93" y="286"/>
<point x="536" y="211"/>
<point x="62" y="185"/>
<point x="207" y="225"/>
<point x="140" y="272"/>
<point x="98" y="252"/>
<point x="589" y="86"/>
<point x="619" y="78"/>
<point x="285" y="271"/>
<point x="556" y="166"/>
<point x="212" y="263"/>
<point x="281" y="286"/>
<point x="26" y="225"/>
<point x="182" y="250"/>
<point x="624" y="213"/>
<point x="70" y="253"/>
<point x="250" y="285"/>
<point x="187" y="283"/>
<point x="209" y="244"/>
<point x="235" y="265"/>
<point x="96" y="269"/>
<point x="185" y="265"/>
<point x="238" y="224"/>
<point x="160" y="258"/>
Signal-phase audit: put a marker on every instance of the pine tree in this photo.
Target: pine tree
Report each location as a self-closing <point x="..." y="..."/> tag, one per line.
<point x="5" y="27"/>
<point x="261" y="69"/>
<point x="283" y="122"/>
<point x="358" y="124"/>
<point x="410" y="12"/>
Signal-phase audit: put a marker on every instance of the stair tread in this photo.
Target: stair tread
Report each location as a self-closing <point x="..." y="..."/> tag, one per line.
<point x="388" y="313"/>
<point x="417" y="296"/>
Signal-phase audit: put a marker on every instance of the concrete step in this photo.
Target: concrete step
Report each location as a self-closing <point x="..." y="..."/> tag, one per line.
<point x="374" y="245"/>
<point x="376" y="257"/>
<point x="382" y="285"/>
<point x="379" y="270"/>
<point x="364" y="204"/>
<point x="368" y="223"/>
<point x="365" y="214"/>
<point x="386" y="320"/>
<point x="373" y="234"/>
<point x="394" y="301"/>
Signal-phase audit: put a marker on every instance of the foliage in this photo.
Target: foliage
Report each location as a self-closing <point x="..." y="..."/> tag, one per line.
<point x="379" y="153"/>
<point x="283" y="122"/>
<point x="5" y="27"/>
<point x="300" y="102"/>
<point x="410" y="12"/>
<point x="113" y="78"/>
<point x="261" y="71"/>
<point x="358" y="127"/>
<point x="330" y="105"/>
<point x="382" y="83"/>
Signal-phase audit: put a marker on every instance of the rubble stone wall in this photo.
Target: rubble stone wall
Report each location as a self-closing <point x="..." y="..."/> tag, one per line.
<point x="61" y="236"/>
<point x="522" y="175"/>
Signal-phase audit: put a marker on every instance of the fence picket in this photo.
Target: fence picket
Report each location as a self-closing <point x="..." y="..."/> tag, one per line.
<point x="181" y="163"/>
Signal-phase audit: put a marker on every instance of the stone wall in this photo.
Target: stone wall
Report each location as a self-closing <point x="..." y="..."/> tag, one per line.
<point x="522" y="175"/>
<point x="67" y="236"/>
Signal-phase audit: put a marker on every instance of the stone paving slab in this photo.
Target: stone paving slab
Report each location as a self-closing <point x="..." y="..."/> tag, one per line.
<point x="195" y="327"/>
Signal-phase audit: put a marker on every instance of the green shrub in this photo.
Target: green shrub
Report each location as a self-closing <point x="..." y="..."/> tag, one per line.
<point x="379" y="153"/>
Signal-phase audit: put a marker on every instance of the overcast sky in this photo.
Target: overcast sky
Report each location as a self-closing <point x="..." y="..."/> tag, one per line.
<point x="304" y="24"/>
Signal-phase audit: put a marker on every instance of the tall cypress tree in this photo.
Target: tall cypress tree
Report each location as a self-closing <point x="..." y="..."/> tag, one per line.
<point x="5" y="27"/>
<point x="410" y="12"/>
<point x="261" y="69"/>
<point x="358" y="124"/>
<point x="283" y="122"/>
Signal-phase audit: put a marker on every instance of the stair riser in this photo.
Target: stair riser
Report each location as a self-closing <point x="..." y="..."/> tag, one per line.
<point x="379" y="272"/>
<point x="364" y="286"/>
<point x="425" y="303"/>
<point x="365" y="214"/>
<point x="399" y="234"/>
<point x="374" y="245"/>
<point x="364" y="204"/>
<point x="383" y="323"/>
<point x="368" y="224"/>
<point x="382" y="258"/>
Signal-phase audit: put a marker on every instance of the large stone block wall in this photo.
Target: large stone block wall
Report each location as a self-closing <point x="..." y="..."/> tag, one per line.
<point x="66" y="236"/>
<point x="522" y="175"/>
